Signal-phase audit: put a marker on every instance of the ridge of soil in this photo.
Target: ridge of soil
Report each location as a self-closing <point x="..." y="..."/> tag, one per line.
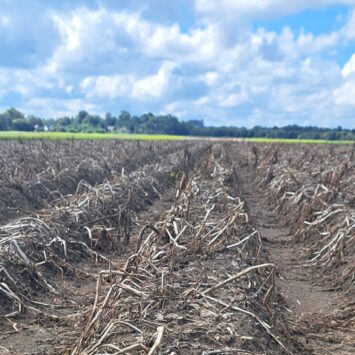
<point x="39" y="336"/>
<point x="309" y="305"/>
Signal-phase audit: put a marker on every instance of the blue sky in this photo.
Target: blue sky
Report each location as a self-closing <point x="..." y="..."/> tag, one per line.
<point x="244" y="63"/>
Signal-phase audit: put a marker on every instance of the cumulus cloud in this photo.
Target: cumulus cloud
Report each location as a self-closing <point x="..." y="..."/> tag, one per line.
<point x="344" y="94"/>
<point x="56" y="107"/>
<point x="349" y="67"/>
<point x="154" y="86"/>
<point x="169" y="42"/>
<point x="107" y="86"/>
<point x="104" y="56"/>
<point x="146" y="88"/>
<point x="23" y="40"/>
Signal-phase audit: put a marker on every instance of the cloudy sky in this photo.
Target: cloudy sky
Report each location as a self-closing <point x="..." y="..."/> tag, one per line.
<point x="232" y="62"/>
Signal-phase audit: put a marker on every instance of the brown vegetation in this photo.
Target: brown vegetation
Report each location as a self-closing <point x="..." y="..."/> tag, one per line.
<point x="147" y="248"/>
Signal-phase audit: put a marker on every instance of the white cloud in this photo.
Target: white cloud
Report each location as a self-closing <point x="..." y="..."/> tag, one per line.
<point x="348" y="30"/>
<point x="349" y="67"/>
<point x="177" y="109"/>
<point x="344" y="95"/>
<point x="152" y="86"/>
<point x="156" y="85"/>
<point x="210" y="78"/>
<point x="25" y="82"/>
<point x="310" y="43"/>
<point x="90" y="41"/>
<point x="275" y="73"/>
<point x="210" y="67"/>
<point x="233" y="100"/>
<point x="101" y="36"/>
<point x="53" y="107"/>
<point x="107" y="86"/>
<point x="169" y="42"/>
<point x="69" y="89"/>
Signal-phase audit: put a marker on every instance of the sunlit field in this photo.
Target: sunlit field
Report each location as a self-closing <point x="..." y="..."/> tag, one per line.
<point x="16" y="135"/>
<point x="305" y="141"/>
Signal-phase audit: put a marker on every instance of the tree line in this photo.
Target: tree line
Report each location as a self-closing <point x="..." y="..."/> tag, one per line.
<point x="149" y="123"/>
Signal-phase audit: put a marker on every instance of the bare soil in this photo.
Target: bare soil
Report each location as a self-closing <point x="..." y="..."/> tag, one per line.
<point x="309" y="305"/>
<point x="38" y="335"/>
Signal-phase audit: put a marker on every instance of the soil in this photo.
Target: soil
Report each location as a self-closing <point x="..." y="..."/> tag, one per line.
<point x="38" y="336"/>
<point x="309" y="305"/>
<point x="11" y="200"/>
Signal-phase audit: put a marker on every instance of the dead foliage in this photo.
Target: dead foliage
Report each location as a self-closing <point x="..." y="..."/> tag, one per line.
<point x="313" y="191"/>
<point x="93" y="222"/>
<point x="195" y="282"/>
<point x="36" y="174"/>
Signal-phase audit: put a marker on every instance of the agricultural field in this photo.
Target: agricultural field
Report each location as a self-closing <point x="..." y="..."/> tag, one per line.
<point x="17" y="135"/>
<point x="22" y="136"/>
<point x="181" y="247"/>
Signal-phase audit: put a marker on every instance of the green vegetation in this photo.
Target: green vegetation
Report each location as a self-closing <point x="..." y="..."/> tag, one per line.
<point x="9" y="135"/>
<point x="293" y="141"/>
<point x="87" y="126"/>
<point x="18" y="135"/>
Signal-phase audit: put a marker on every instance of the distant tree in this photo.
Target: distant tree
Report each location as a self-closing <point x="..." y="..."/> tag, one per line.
<point x="22" y="124"/>
<point x="3" y="123"/>
<point x="291" y="135"/>
<point x="332" y="136"/>
<point x="168" y="124"/>
<point x="7" y="118"/>
<point x="145" y="118"/>
<point x="81" y="116"/>
<point x="243" y="132"/>
<point x="14" y="114"/>
<point x="196" y="123"/>
<point x="94" y="121"/>
<point x="35" y="121"/>
<point x="63" y="123"/>
<point x="110" y="120"/>
<point x="124" y="119"/>
<point x="251" y="133"/>
<point x="316" y="135"/>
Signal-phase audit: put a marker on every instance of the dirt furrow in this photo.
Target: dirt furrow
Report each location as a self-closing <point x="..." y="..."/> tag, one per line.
<point x="309" y="304"/>
<point x="205" y="231"/>
<point x="59" y="314"/>
<point x="176" y="293"/>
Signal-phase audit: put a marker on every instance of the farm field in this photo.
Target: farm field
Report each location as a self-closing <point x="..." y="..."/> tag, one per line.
<point x="185" y="247"/>
<point x="17" y="135"/>
<point x="11" y="135"/>
<point x="298" y="141"/>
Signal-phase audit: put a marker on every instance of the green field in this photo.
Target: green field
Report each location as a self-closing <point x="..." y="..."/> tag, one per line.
<point x="305" y="141"/>
<point x="14" y="135"/>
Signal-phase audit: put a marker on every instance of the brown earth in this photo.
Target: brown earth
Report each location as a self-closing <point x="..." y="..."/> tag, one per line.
<point x="36" y="335"/>
<point x="310" y="306"/>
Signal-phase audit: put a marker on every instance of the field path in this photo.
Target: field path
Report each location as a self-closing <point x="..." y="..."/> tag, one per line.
<point x="309" y="305"/>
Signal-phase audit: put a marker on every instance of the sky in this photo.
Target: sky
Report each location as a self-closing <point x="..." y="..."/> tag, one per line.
<point x="228" y="62"/>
